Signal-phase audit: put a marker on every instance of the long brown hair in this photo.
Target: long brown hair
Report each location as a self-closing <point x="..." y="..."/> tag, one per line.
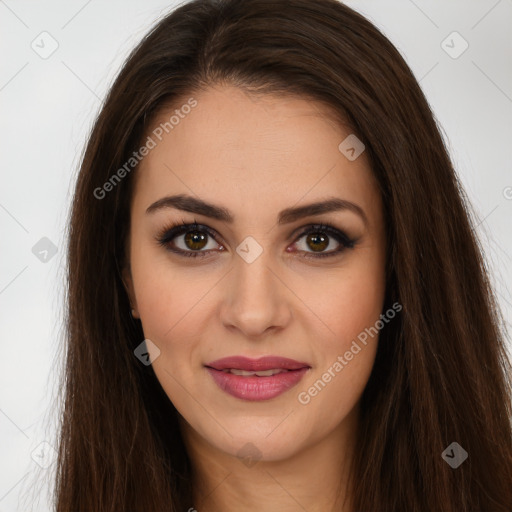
<point x="441" y="372"/>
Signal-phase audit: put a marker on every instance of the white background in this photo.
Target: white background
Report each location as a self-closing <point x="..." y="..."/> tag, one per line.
<point x="47" y="108"/>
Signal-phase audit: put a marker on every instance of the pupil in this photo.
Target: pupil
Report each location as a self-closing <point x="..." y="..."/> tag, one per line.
<point x="319" y="241"/>
<point x="195" y="240"/>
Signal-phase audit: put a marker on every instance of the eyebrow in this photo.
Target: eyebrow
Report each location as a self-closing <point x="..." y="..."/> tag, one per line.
<point x="194" y="205"/>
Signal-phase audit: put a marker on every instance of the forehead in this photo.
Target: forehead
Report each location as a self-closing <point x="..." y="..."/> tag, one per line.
<point x="245" y="150"/>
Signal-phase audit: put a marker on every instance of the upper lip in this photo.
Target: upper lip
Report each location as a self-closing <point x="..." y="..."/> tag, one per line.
<point x="261" y="364"/>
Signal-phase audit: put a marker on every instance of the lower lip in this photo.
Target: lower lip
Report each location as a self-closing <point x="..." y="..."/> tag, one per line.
<point x="256" y="388"/>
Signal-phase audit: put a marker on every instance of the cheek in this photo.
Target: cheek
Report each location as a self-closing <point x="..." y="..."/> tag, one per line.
<point x="170" y="319"/>
<point x="345" y="302"/>
<point x="166" y="296"/>
<point x="168" y="304"/>
<point x="349" y="309"/>
<point x="173" y="304"/>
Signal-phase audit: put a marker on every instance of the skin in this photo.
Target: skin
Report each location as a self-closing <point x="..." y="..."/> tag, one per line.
<point x="256" y="156"/>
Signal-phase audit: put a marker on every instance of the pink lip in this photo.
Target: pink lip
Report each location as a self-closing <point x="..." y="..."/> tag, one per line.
<point x="254" y="388"/>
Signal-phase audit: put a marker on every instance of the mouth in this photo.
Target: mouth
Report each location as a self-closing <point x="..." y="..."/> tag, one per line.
<point x="256" y="379"/>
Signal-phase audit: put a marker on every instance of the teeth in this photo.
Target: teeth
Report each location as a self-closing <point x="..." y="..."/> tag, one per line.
<point x="245" y="373"/>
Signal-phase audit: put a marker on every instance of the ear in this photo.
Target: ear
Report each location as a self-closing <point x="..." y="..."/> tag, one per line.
<point x="128" y="285"/>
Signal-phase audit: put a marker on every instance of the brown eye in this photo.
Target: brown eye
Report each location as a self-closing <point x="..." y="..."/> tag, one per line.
<point x="189" y="240"/>
<point x="317" y="241"/>
<point x="196" y="240"/>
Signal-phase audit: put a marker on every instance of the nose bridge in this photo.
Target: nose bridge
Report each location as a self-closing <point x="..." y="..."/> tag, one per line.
<point x="254" y="279"/>
<point x="256" y="299"/>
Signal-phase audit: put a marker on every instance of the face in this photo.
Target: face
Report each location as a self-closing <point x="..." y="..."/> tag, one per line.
<point x="252" y="269"/>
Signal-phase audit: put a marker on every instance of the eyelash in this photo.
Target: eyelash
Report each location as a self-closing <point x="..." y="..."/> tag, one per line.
<point x="175" y="229"/>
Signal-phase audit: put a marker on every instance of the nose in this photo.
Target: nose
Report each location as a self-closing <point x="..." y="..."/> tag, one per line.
<point x="256" y="301"/>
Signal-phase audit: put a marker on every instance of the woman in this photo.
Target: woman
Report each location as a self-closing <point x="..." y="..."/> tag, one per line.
<point x="276" y="297"/>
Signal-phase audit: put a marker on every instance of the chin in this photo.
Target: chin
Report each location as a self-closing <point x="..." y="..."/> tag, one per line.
<point x="266" y="440"/>
<point x="252" y="449"/>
